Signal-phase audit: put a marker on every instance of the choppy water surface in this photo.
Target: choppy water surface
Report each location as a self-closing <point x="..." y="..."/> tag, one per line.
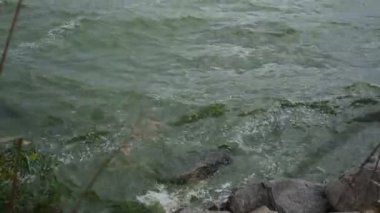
<point x="80" y="67"/>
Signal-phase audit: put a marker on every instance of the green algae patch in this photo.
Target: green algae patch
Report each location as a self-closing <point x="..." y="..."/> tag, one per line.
<point x="93" y="135"/>
<point x="251" y="112"/>
<point x="364" y="102"/>
<point x="209" y="111"/>
<point x="321" y="106"/>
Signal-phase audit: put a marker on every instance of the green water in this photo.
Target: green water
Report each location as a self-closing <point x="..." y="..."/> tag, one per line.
<point x="133" y="67"/>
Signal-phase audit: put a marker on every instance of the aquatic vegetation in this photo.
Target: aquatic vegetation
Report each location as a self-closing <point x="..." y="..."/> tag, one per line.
<point x="91" y="136"/>
<point x="209" y="111"/>
<point x="364" y="102"/>
<point x="321" y="106"/>
<point x="252" y="112"/>
<point x="38" y="190"/>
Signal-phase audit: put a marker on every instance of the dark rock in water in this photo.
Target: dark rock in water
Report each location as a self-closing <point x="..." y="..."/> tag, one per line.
<point x="364" y="102"/>
<point x="356" y="189"/>
<point x="203" y="165"/>
<point x="284" y="196"/>
<point x="8" y="112"/>
<point x="189" y="210"/>
<point x="370" y="117"/>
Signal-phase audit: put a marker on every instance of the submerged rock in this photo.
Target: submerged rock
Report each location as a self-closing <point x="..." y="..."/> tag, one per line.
<point x="356" y="189"/>
<point x="284" y="196"/>
<point x="8" y="112"/>
<point x="202" y="166"/>
<point x="370" y="117"/>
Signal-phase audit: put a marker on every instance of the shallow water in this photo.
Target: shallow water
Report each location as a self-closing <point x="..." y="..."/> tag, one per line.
<point x="133" y="67"/>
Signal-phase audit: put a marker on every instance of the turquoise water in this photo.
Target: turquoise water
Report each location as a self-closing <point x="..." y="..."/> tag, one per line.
<point x="129" y="67"/>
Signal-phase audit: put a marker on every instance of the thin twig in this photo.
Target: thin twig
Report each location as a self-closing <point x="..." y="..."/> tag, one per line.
<point x="101" y="169"/>
<point x="367" y="160"/>
<point x="372" y="176"/>
<point x="13" y="195"/>
<point x="10" y="33"/>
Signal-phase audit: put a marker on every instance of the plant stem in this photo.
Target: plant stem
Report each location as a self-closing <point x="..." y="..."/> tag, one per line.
<point x="13" y="195"/>
<point x="10" y="33"/>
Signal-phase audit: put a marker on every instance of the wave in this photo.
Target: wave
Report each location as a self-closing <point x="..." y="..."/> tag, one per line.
<point x="54" y="36"/>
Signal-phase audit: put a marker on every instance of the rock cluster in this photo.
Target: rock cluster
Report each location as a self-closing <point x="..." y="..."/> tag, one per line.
<point x="357" y="190"/>
<point x="287" y="195"/>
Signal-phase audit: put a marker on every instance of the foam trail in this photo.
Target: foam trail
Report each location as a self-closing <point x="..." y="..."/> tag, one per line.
<point x="54" y="35"/>
<point x="168" y="201"/>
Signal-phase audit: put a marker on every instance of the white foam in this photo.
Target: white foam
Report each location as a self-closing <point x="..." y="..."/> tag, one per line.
<point x="66" y="26"/>
<point x="167" y="200"/>
<point x="53" y="36"/>
<point x="223" y="192"/>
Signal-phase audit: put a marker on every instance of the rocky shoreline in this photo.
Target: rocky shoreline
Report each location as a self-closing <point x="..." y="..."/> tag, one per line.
<point x="357" y="190"/>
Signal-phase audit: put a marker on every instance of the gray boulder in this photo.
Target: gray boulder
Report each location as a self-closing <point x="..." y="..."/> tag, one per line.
<point x="356" y="189"/>
<point x="283" y="196"/>
<point x="249" y="198"/>
<point x="298" y="196"/>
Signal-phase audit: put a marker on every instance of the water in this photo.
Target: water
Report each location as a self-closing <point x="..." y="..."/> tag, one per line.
<point x="132" y="67"/>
